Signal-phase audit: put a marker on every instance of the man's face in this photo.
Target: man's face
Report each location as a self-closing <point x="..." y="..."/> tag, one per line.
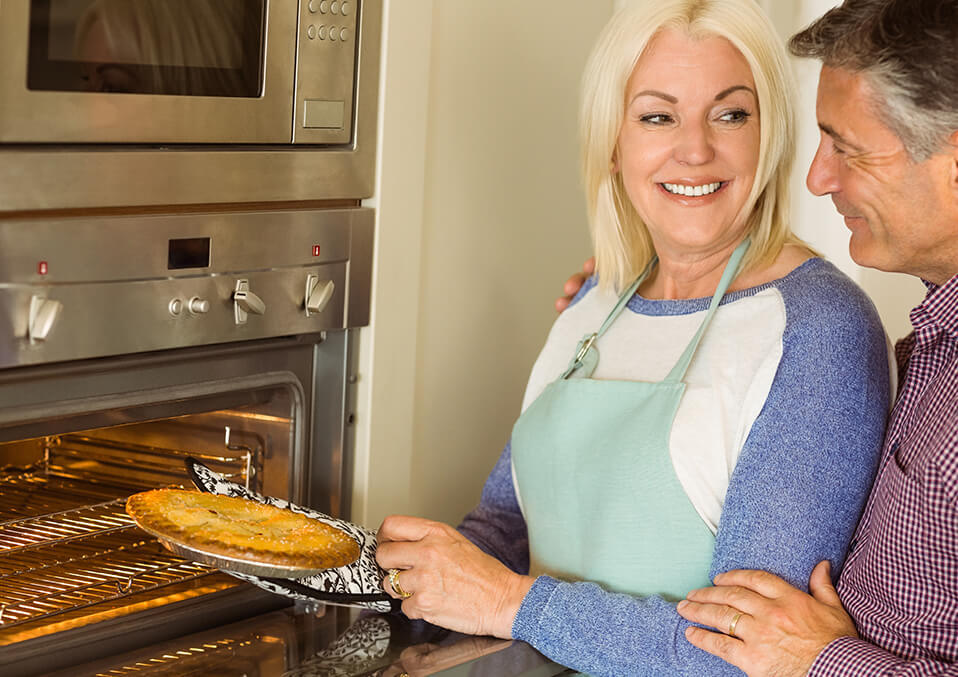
<point x="903" y="215"/>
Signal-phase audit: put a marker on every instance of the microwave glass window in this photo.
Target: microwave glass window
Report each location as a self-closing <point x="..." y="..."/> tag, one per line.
<point x="175" y="47"/>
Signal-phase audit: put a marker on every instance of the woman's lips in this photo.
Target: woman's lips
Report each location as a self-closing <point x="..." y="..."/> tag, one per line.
<point x="689" y="193"/>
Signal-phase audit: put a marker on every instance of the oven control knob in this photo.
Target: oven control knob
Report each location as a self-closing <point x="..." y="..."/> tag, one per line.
<point x="43" y="313"/>
<point x="245" y="302"/>
<point x="199" y="306"/>
<point x="318" y="294"/>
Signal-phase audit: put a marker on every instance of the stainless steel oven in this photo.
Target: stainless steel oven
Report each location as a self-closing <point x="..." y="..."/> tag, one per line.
<point x="129" y="343"/>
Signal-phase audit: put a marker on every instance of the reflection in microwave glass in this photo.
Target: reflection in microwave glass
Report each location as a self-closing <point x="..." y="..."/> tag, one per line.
<point x="176" y="47"/>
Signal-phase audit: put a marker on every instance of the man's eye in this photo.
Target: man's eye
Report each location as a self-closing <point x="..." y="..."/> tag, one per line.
<point x="655" y="118"/>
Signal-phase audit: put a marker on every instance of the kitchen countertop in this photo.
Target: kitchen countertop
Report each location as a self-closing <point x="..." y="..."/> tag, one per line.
<point x="327" y="641"/>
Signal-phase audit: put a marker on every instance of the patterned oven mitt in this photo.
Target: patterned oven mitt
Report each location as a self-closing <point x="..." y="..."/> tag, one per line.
<point x="358" y="584"/>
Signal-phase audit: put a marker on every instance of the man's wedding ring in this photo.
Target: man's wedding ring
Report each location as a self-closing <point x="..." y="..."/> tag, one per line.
<point x="731" y="626"/>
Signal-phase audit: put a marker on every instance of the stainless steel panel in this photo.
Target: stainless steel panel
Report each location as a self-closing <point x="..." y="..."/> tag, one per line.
<point x="325" y="61"/>
<point x="114" y="293"/>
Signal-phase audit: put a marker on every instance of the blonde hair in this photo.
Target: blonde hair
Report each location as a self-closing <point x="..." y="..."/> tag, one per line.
<point x="623" y="246"/>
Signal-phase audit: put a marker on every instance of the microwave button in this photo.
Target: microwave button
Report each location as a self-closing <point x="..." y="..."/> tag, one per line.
<point x="313" y="6"/>
<point x="323" y="32"/>
<point x="344" y="8"/>
<point x="323" y="7"/>
<point x="333" y="33"/>
<point x="344" y="34"/>
<point x="311" y="32"/>
<point x="334" y="7"/>
<point x="324" y="114"/>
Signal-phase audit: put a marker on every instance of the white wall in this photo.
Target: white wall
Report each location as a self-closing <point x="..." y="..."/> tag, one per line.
<point x="481" y="218"/>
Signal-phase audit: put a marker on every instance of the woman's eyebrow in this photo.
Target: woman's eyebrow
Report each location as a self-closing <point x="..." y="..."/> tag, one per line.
<point x="655" y="92"/>
<point x="671" y="99"/>
<point x="725" y="92"/>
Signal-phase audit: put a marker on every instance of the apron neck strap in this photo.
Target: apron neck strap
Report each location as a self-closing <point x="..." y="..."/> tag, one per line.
<point x="731" y="270"/>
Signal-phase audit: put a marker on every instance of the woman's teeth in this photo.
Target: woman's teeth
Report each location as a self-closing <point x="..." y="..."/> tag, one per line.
<point x="691" y="191"/>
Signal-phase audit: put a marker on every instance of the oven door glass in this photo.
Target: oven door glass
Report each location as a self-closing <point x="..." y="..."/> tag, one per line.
<point x="160" y="47"/>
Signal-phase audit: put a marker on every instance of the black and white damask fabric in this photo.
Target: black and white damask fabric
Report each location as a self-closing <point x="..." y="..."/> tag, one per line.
<point x="363" y="647"/>
<point x="358" y="584"/>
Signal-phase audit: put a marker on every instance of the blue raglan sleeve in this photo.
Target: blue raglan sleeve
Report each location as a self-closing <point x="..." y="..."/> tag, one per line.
<point x="496" y="525"/>
<point x="794" y="497"/>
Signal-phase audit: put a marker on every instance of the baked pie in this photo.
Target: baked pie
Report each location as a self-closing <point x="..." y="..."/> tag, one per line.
<point x="241" y="529"/>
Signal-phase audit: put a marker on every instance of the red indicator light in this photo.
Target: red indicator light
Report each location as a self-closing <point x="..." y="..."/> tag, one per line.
<point x="315" y="250"/>
<point x="42" y="268"/>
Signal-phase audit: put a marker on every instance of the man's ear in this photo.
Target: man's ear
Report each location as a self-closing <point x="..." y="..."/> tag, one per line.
<point x="953" y="179"/>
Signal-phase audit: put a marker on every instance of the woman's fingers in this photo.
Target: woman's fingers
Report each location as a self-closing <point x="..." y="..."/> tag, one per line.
<point x="406" y="528"/>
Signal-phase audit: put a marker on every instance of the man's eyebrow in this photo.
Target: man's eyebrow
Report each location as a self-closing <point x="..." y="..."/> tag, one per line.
<point x="838" y="137"/>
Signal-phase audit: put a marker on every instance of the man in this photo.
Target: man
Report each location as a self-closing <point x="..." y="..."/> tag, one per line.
<point x="888" y="157"/>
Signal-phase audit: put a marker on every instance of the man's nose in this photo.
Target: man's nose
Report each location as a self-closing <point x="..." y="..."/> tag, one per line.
<point x="822" y="176"/>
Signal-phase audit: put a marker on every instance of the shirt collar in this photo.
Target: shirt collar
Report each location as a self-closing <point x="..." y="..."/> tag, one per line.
<point x="940" y="307"/>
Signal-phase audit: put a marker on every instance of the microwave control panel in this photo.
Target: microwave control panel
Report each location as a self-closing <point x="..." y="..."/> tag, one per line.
<point x="326" y="71"/>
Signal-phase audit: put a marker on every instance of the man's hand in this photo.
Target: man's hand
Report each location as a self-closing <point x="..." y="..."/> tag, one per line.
<point x="573" y="284"/>
<point x="778" y="629"/>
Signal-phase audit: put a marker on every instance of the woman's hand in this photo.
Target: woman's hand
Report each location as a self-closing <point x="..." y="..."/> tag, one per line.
<point x="448" y="581"/>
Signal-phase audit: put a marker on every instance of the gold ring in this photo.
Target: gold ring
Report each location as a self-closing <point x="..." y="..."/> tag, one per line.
<point x="394" y="581"/>
<point x="731" y="626"/>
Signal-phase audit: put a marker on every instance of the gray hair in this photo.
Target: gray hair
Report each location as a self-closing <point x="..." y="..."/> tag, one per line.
<point x="906" y="50"/>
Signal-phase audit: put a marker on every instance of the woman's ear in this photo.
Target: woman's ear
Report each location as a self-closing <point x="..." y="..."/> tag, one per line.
<point x="614" y="164"/>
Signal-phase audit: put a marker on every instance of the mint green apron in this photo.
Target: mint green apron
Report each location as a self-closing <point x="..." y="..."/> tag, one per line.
<point x="595" y="477"/>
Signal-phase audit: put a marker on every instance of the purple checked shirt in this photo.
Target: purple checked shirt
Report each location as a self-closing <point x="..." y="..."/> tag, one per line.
<point x="900" y="581"/>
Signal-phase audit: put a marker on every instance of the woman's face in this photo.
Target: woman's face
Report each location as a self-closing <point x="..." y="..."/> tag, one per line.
<point x="689" y="144"/>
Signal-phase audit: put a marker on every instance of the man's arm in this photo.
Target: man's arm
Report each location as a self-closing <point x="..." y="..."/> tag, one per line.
<point x="784" y="632"/>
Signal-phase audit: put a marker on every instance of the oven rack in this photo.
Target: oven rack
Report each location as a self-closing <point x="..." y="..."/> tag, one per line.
<point x="129" y="463"/>
<point x="78" y="557"/>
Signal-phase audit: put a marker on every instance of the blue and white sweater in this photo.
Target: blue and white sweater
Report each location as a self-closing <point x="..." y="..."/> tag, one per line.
<point x="787" y="470"/>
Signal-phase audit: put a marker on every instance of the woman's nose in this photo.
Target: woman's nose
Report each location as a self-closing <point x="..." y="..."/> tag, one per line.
<point x="695" y="146"/>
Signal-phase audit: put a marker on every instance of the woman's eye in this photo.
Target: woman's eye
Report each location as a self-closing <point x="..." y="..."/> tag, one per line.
<point x="735" y="116"/>
<point x="655" y="118"/>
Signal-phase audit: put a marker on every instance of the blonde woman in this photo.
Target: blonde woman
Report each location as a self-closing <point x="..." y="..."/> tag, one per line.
<point x="713" y="399"/>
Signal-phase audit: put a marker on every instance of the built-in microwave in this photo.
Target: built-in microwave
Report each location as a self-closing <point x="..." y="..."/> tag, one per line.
<point x="210" y="98"/>
<point x="178" y="71"/>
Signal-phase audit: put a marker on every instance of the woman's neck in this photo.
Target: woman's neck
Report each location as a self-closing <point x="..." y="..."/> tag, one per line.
<point x="687" y="275"/>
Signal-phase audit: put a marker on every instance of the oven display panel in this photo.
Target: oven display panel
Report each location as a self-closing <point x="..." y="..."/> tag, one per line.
<point x="172" y="47"/>
<point x="191" y="252"/>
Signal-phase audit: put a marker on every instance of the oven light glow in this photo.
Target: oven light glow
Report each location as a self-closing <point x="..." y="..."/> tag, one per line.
<point x="315" y="250"/>
<point x="42" y="268"/>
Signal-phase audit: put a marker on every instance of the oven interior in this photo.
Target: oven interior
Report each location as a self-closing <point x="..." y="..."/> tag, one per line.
<point x="71" y="557"/>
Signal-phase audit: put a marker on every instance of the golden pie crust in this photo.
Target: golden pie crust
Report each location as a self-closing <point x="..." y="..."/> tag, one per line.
<point x="242" y="529"/>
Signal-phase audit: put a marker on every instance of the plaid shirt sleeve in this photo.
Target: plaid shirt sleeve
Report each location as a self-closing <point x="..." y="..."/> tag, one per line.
<point x="851" y="657"/>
